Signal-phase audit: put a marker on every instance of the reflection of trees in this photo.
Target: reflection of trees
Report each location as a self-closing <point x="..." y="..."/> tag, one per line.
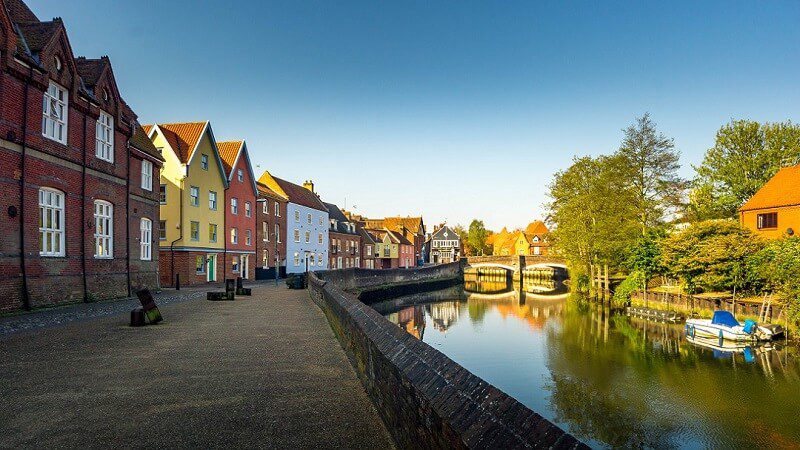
<point x="635" y="383"/>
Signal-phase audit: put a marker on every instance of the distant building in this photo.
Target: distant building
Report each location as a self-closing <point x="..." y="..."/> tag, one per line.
<point x="307" y="225"/>
<point x="445" y="246"/>
<point x="392" y="249"/>
<point x="270" y="233"/>
<point x="774" y="210"/>
<point x="412" y="228"/>
<point x="368" y="249"/>
<point x="345" y="240"/>
<point x="531" y="241"/>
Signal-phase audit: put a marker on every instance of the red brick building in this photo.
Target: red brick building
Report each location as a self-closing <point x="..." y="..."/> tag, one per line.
<point x="79" y="211"/>
<point x="344" y="240"/>
<point x="270" y="233"/>
<point x="240" y="211"/>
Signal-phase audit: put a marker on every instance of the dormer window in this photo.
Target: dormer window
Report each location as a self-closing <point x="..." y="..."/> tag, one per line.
<point x="104" y="137"/>
<point x="54" y="113"/>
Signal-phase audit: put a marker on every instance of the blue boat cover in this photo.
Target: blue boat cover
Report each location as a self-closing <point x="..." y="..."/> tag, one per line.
<point x="749" y="326"/>
<point x="724" y="318"/>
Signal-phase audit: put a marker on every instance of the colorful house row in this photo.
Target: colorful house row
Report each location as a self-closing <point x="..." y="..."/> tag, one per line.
<point x="78" y="174"/>
<point x="207" y="199"/>
<point x="530" y="241"/>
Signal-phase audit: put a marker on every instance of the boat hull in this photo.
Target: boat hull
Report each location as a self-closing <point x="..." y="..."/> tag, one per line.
<point x="704" y="328"/>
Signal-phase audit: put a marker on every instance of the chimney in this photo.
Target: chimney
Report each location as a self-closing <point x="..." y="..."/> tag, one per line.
<point x="308" y="184"/>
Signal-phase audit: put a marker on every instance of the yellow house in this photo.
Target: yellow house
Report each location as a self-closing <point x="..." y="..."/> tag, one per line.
<point x="774" y="210"/>
<point x="193" y="184"/>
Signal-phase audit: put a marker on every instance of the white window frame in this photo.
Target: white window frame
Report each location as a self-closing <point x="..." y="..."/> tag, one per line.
<point x="296" y="259"/>
<point x="192" y="238"/>
<point x="51" y="222"/>
<point x="146" y="239"/>
<point x="55" y="113"/>
<point x="147" y="175"/>
<point x="103" y="229"/>
<point x="265" y="207"/>
<point x="164" y="200"/>
<point x="265" y="231"/>
<point x="212" y="238"/>
<point x="296" y="235"/>
<point x="194" y="195"/>
<point x="320" y="239"/>
<point x="240" y="175"/>
<point x="104" y="137"/>
<point x="204" y="161"/>
<point x="277" y="209"/>
<point x="234" y="236"/>
<point x="277" y="233"/>
<point x="235" y="206"/>
<point x="297" y="215"/>
<point x="308" y="237"/>
<point x="212" y="200"/>
<point x="309" y="218"/>
<point x="248" y="212"/>
<point x="248" y="237"/>
<point x="162" y="230"/>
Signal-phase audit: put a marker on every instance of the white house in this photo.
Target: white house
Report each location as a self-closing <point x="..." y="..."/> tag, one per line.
<point x="306" y="225"/>
<point x="445" y="246"/>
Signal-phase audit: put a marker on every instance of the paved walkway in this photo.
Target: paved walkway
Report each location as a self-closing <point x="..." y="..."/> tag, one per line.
<point x="263" y="371"/>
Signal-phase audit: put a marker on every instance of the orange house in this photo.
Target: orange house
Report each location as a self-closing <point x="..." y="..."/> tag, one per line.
<point x="774" y="210"/>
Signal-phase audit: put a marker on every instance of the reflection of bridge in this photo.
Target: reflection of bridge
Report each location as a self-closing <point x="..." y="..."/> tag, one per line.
<point x="516" y="264"/>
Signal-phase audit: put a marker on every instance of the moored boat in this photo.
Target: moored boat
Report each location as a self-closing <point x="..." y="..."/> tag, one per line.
<point x="724" y="326"/>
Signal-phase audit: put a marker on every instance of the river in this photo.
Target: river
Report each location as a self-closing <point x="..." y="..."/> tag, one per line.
<point x="611" y="380"/>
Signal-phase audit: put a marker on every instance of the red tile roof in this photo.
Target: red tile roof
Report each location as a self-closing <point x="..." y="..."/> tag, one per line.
<point x="536" y="227"/>
<point x="182" y="137"/>
<point x="297" y="194"/>
<point x="781" y="190"/>
<point x="228" y="151"/>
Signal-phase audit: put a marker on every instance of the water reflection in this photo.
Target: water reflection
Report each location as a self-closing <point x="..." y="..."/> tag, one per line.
<point x="612" y="380"/>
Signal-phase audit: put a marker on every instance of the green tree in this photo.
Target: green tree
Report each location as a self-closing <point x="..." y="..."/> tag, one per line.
<point x="776" y="269"/>
<point x="477" y="236"/>
<point x="644" y="258"/>
<point x="651" y="164"/>
<point x="710" y="255"/>
<point x="745" y="155"/>
<point x="590" y="213"/>
<point x="466" y="248"/>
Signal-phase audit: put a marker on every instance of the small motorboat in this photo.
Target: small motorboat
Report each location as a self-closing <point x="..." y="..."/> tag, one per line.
<point x="724" y="326"/>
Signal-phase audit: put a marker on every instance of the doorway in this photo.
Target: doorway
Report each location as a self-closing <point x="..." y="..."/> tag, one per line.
<point x="211" y="269"/>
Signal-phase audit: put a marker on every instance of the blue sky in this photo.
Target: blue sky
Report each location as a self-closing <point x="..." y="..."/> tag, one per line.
<point x="452" y="110"/>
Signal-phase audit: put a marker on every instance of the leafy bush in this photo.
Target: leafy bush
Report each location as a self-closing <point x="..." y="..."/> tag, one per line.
<point x="633" y="283"/>
<point x="776" y="269"/>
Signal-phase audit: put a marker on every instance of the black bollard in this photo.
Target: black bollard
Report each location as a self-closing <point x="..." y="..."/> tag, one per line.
<point x="177" y="282"/>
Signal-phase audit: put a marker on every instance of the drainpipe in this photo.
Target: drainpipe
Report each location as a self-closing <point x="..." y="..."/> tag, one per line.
<point x="26" y="300"/>
<point x="128" y="210"/>
<point x="83" y="213"/>
<point x="225" y="240"/>
<point x="180" y="236"/>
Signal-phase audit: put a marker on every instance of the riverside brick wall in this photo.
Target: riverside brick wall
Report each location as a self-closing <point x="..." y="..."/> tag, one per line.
<point x="425" y="399"/>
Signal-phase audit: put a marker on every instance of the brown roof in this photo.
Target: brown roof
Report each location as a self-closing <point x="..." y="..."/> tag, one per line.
<point x="90" y="69"/>
<point x="299" y="195"/>
<point x="183" y="137"/>
<point x="38" y="34"/>
<point x="19" y="11"/>
<point x="412" y="223"/>
<point x="228" y="151"/>
<point x="781" y="190"/>
<point x="141" y="141"/>
<point x="263" y="189"/>
<point x="536" y="227"/>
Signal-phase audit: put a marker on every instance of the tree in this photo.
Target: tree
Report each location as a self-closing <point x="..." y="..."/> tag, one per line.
<point x="776" y="269"/>
<point x="710" y="256"/>
<point x="590" y="213"/>
<point x="466" y="248"/>
<point x="745" y="155"/>
<point x="477" y="236"/>
<point x="644" y="258"/>
<point x="652" y="165"/>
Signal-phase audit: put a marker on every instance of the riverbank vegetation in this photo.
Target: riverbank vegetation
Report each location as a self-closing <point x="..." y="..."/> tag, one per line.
<point x="631" y="210"/>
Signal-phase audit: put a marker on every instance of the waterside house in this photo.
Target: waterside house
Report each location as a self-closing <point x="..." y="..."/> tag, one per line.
<point x="270" y="233"/>
<point x="774" y="210"/>
<point x="345" y="240"/>
<point x="445" y="245"/>
<point x="240" y="217"/>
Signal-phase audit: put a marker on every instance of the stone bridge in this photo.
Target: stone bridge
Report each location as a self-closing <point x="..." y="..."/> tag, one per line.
<point x="515" y="263"/>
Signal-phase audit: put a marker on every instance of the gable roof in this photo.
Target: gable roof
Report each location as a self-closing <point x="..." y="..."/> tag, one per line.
<point x="141" y="141"/>
<point x="182" y="137"/>
<point x="341" y="220"/>
<point x="229" y="152"/>
<point x="414" y="224"/>
<point x="783" y="189"/>
<point x="294" y="193"/>
<point x="90" y="70"/>
<point x="263" y="189"/>
<point x="19" y="11"/>
<point x="36" y="35"/>
<point x="439" y="234"/>
<point x="536" y="227"/>
<point x="368" y="237"/>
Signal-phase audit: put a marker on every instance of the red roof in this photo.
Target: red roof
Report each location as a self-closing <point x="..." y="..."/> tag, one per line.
<point x="228" y="151"/>
<point x="300" y="195"/>
<point x="781" y="190"/>
<point x="182" y="137"/>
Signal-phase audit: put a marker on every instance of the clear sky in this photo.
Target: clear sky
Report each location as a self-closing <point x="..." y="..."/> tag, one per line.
<point x="452" y="110"/>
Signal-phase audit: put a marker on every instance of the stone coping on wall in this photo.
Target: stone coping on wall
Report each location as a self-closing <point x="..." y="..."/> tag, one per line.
<point x="426" y="399"/>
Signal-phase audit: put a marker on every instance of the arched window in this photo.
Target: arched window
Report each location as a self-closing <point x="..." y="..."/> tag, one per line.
<point x="146" y="239"/>
<point x="103" y="229"/>
<point x="51" y="222"/>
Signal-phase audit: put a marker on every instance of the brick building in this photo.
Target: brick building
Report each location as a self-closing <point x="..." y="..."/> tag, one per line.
<point x="270" y="233"/>
<point x="240" y="214"/>
<point x="412" y="228"/>
<point x="344" y="239"/>
<point x="79" y="212"/>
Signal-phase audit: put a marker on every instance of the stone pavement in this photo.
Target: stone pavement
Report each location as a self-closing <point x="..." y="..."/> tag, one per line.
<point x="262" y="371"/>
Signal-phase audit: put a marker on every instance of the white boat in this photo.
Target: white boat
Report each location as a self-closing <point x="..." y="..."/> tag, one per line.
<point x="724" y="326"/>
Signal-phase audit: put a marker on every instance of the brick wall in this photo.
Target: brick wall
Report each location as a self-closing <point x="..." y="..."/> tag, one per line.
<point x="185" y="266"/>
<point x="270" y="218"/>
<point x="425" y="399"/>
